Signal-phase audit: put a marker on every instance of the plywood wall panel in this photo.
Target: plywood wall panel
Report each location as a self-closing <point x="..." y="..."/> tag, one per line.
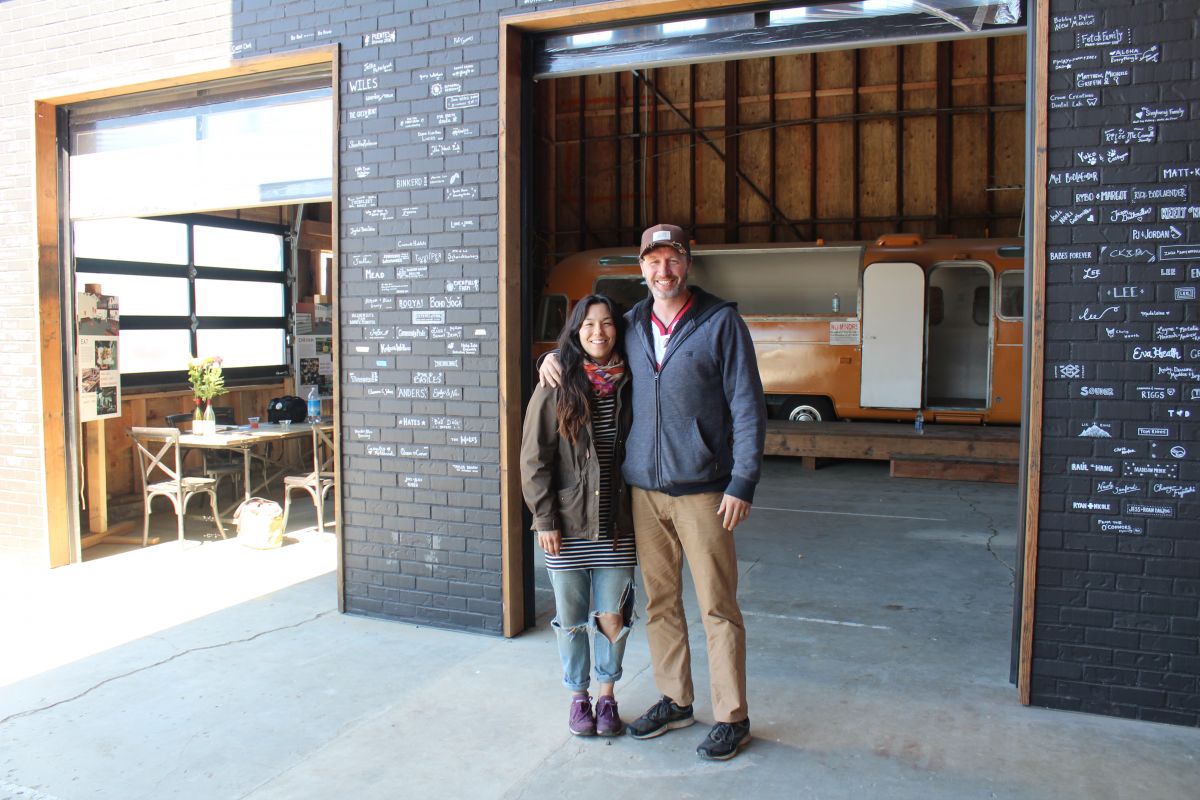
<point x="835" y="83"/>
<point x="969" y="163"/>
<point x="877" y="175"/>
<point x="835" y="192"/>
<point x="1008" y="79"/>
<point x="832" y="144"/>
<point x="674" y="167"/>
<point x="710" y="190"/>
<point x="919" y="180"/>
<point x="877" y="66"/>
<point x="754" y="158"/>
<point x="794" y="147"/>
<point x="754" y="84"/>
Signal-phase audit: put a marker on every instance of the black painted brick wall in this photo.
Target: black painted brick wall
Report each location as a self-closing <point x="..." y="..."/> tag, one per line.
<point x="1117" y="620"/>
<point x="418" y="296"/>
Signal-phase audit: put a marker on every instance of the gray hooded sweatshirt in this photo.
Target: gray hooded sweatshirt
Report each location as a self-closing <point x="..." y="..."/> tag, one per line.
<point x="699" y="418"/>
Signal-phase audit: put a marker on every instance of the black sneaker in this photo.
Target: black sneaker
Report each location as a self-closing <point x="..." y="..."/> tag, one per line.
<point x="663" y="716"/>
<point x="724" y="740"/>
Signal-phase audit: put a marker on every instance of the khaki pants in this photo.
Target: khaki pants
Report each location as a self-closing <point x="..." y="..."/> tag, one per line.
<point x="667" y="529"/>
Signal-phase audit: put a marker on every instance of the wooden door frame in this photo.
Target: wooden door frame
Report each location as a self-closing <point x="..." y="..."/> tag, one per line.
<point x="50" y="266"/>
<point x="1037" y="72"/>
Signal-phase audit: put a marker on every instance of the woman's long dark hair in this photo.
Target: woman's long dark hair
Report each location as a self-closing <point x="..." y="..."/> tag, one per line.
<point x="572" y="406"/>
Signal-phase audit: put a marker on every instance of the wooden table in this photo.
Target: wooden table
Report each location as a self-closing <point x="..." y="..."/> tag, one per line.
<point x="244" y="439"/>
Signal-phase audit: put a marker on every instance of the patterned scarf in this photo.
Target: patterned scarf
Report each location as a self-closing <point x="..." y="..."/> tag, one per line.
<point x="605" y="378"/>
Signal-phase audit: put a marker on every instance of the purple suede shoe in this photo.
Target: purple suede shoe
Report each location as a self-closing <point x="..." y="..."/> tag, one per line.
<point x="581" y="722"/>
<point x="608" y="721"/>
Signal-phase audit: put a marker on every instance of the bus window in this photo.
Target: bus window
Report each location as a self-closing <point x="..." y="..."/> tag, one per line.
<point x="1012" y="294"/>
<point x="625" y="290"/>
<point x="551" y="317"/>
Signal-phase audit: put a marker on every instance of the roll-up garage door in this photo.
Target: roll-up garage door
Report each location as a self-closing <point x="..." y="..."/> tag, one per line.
<point x="237" y="143"/>
<point x="769" y="29"/>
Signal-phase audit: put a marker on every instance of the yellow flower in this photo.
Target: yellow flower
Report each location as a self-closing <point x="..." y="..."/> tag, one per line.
<point x="206" y="377"/>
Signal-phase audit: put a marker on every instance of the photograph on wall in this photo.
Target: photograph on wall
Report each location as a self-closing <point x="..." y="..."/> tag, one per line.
<point x="97" y="346"/>
<point x="314" y="364"/>
<point x="310" y="372"/>
<point x="98" y="314"/>
<point x="106" y="354"/>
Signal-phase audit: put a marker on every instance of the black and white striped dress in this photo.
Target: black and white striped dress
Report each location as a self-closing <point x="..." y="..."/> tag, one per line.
<point x="583" y="553"/>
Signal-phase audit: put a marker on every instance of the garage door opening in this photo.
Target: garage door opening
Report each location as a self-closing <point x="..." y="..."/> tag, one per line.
<point x="824" y="142"/>
<point x="198" y="275"/>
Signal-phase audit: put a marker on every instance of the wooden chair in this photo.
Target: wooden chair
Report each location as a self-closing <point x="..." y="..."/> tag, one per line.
<point x="318" y="482"/>
<point x="216" y="465"/>
<point x="154" y="447"/>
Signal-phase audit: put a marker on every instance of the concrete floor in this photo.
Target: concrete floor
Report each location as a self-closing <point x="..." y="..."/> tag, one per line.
<point x="878" y="614"/>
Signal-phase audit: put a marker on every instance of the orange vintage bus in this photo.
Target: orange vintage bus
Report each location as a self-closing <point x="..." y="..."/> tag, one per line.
<point x="859" y="331"/>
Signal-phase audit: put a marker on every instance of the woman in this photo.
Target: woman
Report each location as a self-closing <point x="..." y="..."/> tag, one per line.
<point x="571" y="476"/>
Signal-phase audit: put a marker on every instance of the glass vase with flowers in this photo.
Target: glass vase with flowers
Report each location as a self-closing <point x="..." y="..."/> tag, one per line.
<point x="207" y="381"/>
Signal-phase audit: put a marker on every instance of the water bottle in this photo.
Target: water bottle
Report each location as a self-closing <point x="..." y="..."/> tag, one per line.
<point x="837" y="303"/>
<point x="314" y="405"/>
<point x="919" y="423"/>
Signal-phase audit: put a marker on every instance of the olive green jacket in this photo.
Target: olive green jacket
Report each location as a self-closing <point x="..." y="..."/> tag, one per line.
<point x="560" y="479"/>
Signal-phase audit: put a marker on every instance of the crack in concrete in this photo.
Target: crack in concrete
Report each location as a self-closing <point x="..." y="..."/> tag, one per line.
<point x="991" y="526"/>
<point x="31" y="711"/>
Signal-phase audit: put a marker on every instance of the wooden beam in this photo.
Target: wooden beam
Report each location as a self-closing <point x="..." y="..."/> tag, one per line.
<point x="316" y="235"/>
<point x="937" y="469"/>
<point x="600" y="13"/>
<point x="836" y="91"/>
<point x="512" y="539"/>
<point x="188" y="75"/>
<point x="884" y="441"/>
<point x="861" y="116"/>
<point x="97" y="476"/>
<point x="50" y="318"/>
<point x="1035" y="254"/>
<point x="116" y="535"/>
<point x="335" y="282"/>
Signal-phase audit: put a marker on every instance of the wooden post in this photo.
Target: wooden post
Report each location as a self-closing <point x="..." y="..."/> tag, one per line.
<point x="97" y="479"/>
<point x="1036" y="342"/>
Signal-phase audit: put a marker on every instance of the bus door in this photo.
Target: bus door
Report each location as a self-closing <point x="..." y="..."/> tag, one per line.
<point x="958" y="363"/>
<point x="893" y="326"/>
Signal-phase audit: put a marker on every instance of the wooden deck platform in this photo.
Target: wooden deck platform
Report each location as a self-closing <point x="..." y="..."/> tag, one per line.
<point x="955" y="452"/>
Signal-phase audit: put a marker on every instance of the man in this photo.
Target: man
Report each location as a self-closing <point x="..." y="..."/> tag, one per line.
<point x="693" y="458"/>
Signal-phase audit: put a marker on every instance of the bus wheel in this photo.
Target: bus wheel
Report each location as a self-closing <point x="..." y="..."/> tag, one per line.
<point x="807" y="409"/>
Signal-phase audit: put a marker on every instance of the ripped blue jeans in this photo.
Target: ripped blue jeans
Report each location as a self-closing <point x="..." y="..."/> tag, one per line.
<point x="579" y="595"/>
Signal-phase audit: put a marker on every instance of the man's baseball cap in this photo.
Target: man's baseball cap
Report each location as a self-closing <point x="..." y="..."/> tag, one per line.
<point x="670" y="235"/>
